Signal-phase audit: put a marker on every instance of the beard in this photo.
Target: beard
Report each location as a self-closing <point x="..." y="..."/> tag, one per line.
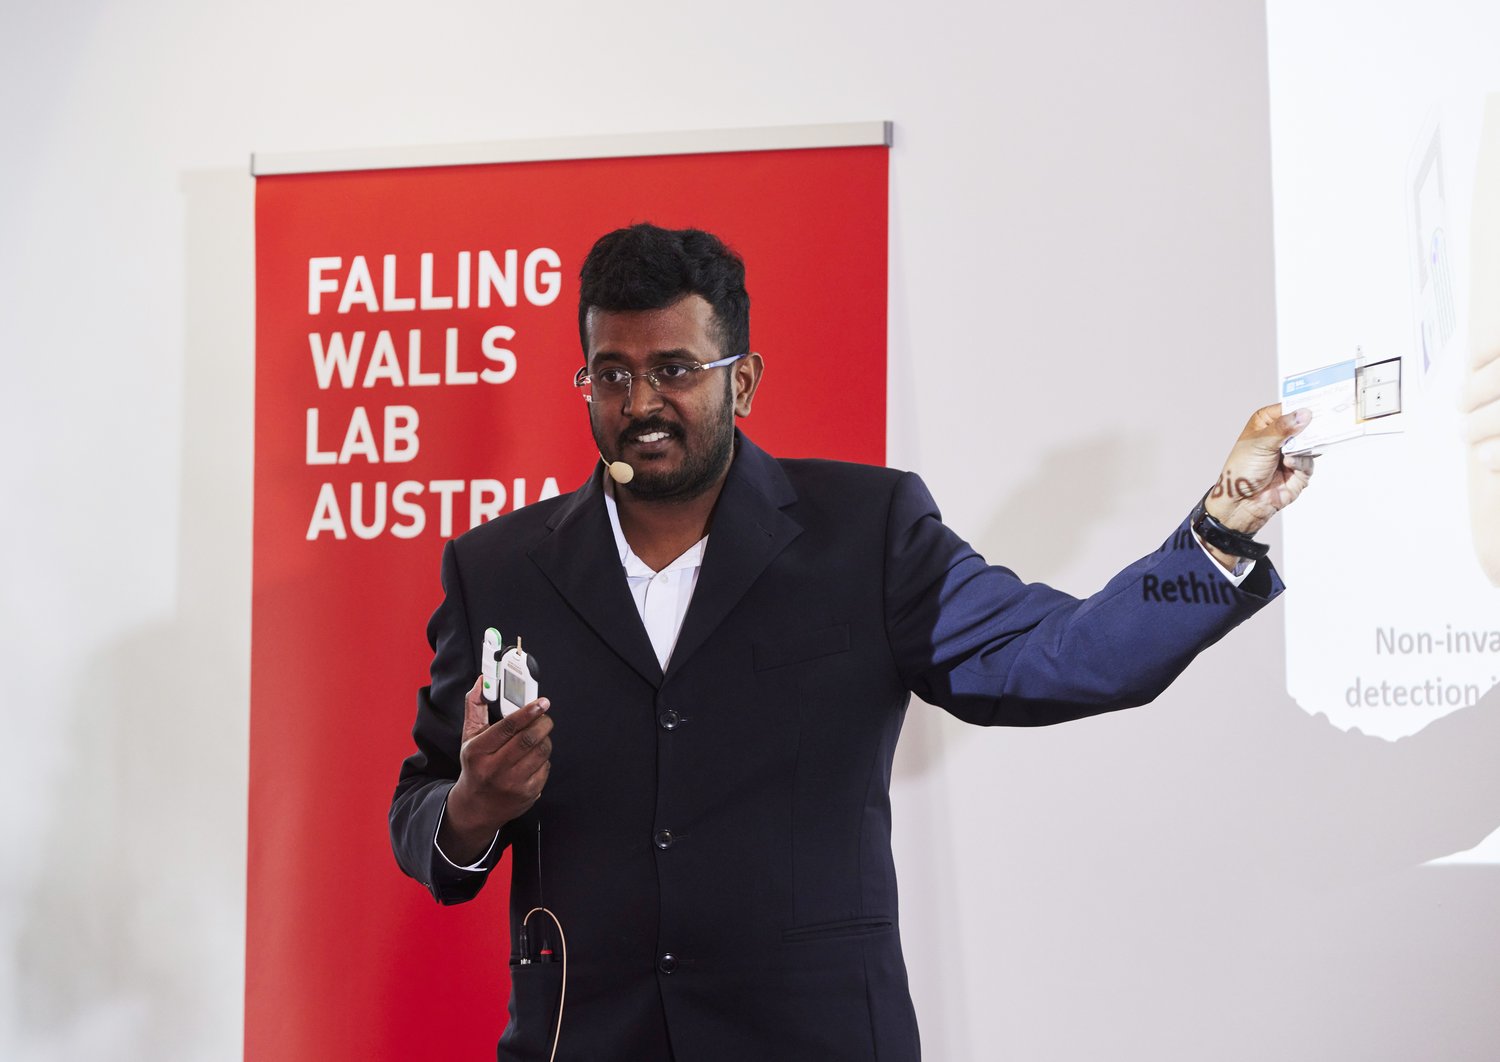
<point x="701" y="467"/>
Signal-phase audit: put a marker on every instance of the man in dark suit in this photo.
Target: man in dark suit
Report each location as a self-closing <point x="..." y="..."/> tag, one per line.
<point x="731" y="641"/>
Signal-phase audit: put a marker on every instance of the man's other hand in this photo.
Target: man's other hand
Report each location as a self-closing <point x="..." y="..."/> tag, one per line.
<point x="1258" y="480"/>
<point x="1480" y="404"/>
<point x="502" y="769"/>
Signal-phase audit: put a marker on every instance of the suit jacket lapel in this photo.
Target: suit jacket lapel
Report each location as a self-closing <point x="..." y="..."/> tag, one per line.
<point x="748" y="531"/>
<point x="582" y="562"/>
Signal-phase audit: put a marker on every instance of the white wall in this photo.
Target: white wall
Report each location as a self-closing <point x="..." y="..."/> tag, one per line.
<point x="1081" y="319"/>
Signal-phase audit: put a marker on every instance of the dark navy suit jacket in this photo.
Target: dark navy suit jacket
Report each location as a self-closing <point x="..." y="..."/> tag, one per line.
<point x="716" y="839"/>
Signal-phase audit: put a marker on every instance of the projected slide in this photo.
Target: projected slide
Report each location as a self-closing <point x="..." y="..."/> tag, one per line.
<point x="1385" y="122"/>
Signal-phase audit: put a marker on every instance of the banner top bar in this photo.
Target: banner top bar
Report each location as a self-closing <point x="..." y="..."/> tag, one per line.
<point x="551" y="149"/>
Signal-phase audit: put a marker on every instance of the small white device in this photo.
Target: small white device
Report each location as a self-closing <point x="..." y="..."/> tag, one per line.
<point x="518" y="674"/>
<point x="489" y="666"/>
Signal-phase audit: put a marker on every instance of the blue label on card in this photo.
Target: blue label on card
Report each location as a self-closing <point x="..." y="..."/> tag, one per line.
<point x="1307" y="381"/>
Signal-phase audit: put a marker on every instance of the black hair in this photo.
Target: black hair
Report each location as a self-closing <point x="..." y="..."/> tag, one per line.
<point x="646" y="267"/>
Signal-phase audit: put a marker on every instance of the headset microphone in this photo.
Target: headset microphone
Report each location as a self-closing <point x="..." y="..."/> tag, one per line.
<point x="618" y="471"/>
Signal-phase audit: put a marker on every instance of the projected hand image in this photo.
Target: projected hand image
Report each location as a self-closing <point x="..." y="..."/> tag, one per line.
<point x="1480" y="403"/>
<point x="1479" y="400"/>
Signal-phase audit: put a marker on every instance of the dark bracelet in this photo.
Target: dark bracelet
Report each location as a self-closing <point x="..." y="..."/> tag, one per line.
<point x="1224" y="539"/>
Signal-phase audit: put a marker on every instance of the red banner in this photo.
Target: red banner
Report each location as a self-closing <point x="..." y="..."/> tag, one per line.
<point x="416" y="336"/>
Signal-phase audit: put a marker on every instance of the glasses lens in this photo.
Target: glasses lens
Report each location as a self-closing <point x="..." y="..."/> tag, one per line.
<point x="675" y="377"/>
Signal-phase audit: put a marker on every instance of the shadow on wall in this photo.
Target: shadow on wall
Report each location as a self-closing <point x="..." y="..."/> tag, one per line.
<point x="134" y="928"/>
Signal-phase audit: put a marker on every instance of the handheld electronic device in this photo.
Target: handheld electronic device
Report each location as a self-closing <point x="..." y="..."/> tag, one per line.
<point x="518" y="679"/>
<point x="489" y="667"/>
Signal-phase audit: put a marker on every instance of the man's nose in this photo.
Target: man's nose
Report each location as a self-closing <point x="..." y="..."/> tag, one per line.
<point x="641" y="399"/>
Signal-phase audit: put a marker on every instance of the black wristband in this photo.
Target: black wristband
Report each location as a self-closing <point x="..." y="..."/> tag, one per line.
<point x="1224" y="539"/>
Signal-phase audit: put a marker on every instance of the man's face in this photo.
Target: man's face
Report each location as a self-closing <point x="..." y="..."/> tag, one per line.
<point x="680" y="445"/>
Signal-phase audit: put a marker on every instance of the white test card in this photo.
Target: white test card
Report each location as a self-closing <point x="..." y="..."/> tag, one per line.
<point x="1329" y="393"/>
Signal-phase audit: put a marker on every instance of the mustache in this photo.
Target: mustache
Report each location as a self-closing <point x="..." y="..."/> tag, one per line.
<point x="646" y="426"/>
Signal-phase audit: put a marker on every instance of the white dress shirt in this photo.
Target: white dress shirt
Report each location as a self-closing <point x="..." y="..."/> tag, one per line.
<point x="662" y="598"/>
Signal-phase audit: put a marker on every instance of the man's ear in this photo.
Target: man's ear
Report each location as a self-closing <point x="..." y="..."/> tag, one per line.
<point x="747" y="372"/>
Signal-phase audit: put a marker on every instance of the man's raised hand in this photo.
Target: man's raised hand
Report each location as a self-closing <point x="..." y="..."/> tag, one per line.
<point x="1258" y="480"/>
<point x="502" y="769"/>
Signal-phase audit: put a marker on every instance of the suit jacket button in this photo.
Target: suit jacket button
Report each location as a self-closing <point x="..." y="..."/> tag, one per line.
<point x="663" y="839"/>
<point x="669" y="719"/>
<point x="667" y="963"/>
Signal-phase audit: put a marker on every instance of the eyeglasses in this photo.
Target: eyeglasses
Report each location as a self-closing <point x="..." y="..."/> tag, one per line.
<point x="673" y="378"/>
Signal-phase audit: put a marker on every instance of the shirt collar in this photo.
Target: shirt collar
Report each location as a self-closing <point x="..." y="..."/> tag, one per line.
<point x="635" y="568"/>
